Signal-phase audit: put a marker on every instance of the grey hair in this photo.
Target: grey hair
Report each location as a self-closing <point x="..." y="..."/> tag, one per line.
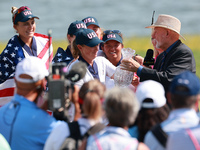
<point x="121" y="106"/>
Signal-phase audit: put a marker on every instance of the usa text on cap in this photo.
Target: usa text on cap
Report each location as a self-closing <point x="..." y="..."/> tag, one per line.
<point x="23" y="14"/>
<point x="90" y="20"/>
<point x="75" y="26"/>
<point x="87" y="37"/>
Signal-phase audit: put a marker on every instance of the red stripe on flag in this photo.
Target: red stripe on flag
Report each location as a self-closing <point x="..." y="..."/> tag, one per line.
<point x="7" y="92"/>
<point x="43" y="52"/>
<point x="47" y="62"/>
<point x="41" y="35"/>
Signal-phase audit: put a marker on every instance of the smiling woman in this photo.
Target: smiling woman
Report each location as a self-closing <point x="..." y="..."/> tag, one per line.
<point x="26" y="43"/>
<point x="113" y="44"/>
<point x="99" y="68"/>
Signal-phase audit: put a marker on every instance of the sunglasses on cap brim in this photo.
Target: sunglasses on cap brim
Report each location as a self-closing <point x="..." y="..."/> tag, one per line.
<point x="113" y="31"/>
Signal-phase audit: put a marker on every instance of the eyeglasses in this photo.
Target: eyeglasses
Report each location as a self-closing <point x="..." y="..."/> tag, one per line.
<point x="113" y="31"/>
<point x="153" y="17"/>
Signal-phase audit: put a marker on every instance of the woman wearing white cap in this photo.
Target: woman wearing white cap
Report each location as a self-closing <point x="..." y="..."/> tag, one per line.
<point x="153" y="108"/>
<point x="26" y="43"/>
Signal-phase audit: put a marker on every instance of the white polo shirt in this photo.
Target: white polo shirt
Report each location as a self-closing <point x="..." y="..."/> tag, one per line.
<point x="105" y="69"/>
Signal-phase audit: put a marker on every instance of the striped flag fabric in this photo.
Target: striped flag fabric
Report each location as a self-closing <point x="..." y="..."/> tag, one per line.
<point x="12" y="55"/>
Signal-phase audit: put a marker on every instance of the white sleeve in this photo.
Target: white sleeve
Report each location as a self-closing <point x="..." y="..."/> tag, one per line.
<point x="110" y="68"/>
<point x="57" y="136"/>
<point x="80" y="82"/>
<point x="101" y="53"/>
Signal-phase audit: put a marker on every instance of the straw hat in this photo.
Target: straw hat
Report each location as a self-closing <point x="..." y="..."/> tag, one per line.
<point x="169" y="22"/>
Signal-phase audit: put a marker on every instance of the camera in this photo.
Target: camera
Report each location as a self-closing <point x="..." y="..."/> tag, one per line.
<point x="58" y="87"/>
<point x="61" y="82"/>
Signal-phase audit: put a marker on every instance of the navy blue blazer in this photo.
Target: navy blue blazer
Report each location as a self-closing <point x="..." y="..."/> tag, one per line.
<point x="179" y="59"/>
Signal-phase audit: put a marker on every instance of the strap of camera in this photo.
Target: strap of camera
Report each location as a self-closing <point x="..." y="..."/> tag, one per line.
<point x="160" y="135"/>
<point x="94" y="129"/>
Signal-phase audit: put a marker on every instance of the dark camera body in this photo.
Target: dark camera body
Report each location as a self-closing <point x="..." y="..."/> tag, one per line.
<point x="149" y="60"/>
<point x="58" y="87"/>
<point x="61" y="84"/>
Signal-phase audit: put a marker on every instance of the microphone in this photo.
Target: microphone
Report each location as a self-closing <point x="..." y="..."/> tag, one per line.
<point x="77" y="71"/>
<point x="149" y="60"/>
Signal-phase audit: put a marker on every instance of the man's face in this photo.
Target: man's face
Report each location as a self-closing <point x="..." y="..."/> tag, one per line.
<point x="159" y="35"/>
<point x="154" y="42"/>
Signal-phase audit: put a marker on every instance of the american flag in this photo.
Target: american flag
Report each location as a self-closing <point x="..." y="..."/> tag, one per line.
<point x="12" y="55"/>
<point x="63" y="56"/>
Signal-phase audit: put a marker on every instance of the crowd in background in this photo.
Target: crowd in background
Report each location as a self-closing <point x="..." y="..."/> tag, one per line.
<point x="158" y="110"/>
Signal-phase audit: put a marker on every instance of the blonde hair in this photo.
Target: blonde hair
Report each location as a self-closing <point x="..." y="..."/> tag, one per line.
<point x="92" y="106"/>
<point x="92" y="85"/>
<point x="14" y="10"/>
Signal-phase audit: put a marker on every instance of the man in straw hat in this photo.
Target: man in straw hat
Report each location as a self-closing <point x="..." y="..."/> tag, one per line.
<point x="176" y="57"/>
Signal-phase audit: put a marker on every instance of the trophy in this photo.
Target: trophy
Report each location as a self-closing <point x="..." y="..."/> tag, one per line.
<point x="124" y="78"/>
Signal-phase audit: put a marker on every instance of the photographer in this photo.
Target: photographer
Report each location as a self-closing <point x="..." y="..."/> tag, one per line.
<point x="23" y="123"/>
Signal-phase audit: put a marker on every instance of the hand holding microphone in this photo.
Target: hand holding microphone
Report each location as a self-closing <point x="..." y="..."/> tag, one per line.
<point x="139" y="59"/>
<point x="134" y="64"/>
<point x="147" y="60"/>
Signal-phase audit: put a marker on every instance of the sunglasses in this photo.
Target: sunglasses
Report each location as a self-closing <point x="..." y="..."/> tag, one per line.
<point x="19" y="11"/>
<point x="113" y="31"/>
<point x="22" y="9"/>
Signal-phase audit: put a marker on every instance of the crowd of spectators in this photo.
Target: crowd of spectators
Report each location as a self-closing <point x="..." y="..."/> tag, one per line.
<point x="158" y="110"/>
